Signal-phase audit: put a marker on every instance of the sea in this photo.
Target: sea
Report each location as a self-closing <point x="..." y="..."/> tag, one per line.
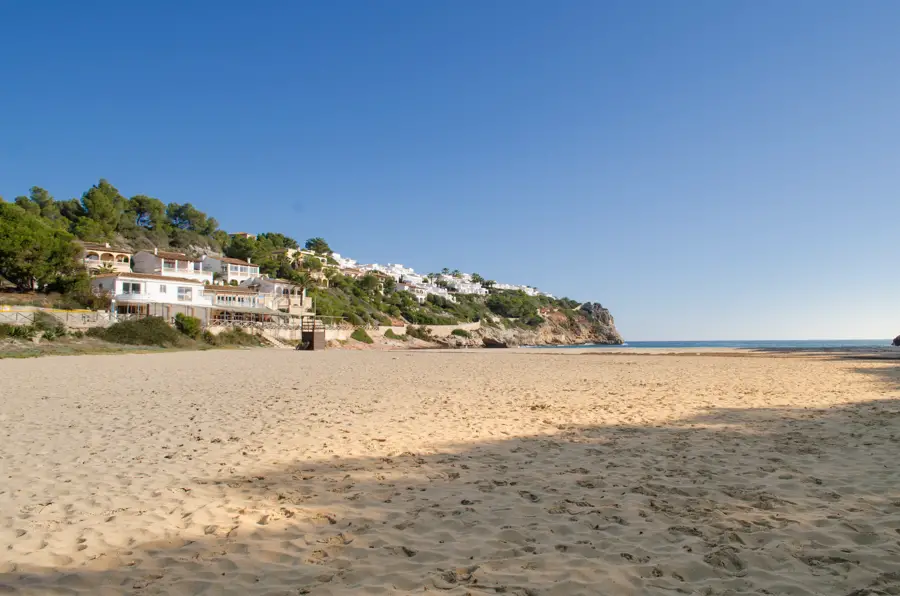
<point x="774" y="344"/>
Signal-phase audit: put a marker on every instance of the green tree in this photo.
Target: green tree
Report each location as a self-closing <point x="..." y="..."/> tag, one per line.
<point x="33" y="254"/>
<point x="456" y="273"/>
<point x="100" y="211"/>
<point x="241" y="247"/>
<point x="445" y="271"/>
<point x="369" y="283"/>
<point x="318" y="246"/>
<point x="477" y="279"/>
<point x="27" y="206"/>
<point x="278" y="241"/>
<point x="146" y="212"/>
<point x="310" y="263"/>
<point x="189" y="218"/>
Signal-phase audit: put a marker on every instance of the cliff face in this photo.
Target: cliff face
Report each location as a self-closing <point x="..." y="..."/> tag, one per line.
<point x="591" y="324"/>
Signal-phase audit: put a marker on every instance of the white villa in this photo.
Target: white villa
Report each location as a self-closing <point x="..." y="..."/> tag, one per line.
<point x="170" y="264"/>
<point x="231" y="269"/>
<point x="152" y="295"/>
<point x="281" y="295"/>
<point x="97" y="257"/>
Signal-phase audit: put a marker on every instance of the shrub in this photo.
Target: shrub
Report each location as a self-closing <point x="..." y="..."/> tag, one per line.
<point x="354" y="319"/>
<point x="232" y="337"/>
<point x="423" y="333"/>
<point x="152" y="331"/>
<point x="188" y="325"/>
<point x="49" y="326"/>
<point x="461" y="333"/>
<point x="391" y="335"/>
<point x="359" y="334"/>
<point x="16" y="331"/>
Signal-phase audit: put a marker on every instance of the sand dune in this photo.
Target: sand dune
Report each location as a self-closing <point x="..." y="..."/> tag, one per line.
<point x="479" y="472"/>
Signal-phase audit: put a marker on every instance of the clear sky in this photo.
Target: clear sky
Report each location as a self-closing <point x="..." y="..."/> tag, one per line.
<point x="707" y="169"/>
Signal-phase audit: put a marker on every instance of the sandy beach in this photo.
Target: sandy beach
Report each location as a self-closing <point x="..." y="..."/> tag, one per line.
<point x="470" y="472"/>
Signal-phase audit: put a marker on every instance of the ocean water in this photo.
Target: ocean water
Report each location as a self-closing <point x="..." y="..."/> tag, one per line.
<point x="795" y="344"/>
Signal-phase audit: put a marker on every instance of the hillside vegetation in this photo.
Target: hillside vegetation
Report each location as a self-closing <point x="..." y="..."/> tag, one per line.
<point x="37" y="252"/>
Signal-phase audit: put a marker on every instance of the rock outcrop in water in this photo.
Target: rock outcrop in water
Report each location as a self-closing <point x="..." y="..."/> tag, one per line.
<point x="896" y="341"/>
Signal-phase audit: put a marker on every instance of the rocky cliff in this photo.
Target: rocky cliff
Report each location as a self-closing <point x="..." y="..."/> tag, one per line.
<point x="590" y="324"/>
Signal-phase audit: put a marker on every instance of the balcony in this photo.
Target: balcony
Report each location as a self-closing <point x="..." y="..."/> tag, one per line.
<point x="102" y="265"/>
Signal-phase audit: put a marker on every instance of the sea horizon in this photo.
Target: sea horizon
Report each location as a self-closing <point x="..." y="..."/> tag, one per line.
<point x="745" y="344"/>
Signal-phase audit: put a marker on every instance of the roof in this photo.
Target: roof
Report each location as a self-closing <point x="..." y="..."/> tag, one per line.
<point x="172" y="256"/>
<point x="230" y="289"/>
<point x="275" y="280"/>
<point x="148" y="276"/>
<point x="234" y="261"/>
<point x="98" y="246"/>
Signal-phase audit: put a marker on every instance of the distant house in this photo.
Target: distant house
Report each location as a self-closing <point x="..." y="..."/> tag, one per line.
<point x="235" y="270"/>
<point x="152" y="295"/>
<point x="170" y="264"/>
<point x="418" y="292"/>
<point x="244" y="235"/>
<point x="100" y="257"/>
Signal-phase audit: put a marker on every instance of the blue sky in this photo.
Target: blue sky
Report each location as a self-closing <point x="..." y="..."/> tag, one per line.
<point x="706" y="169"/>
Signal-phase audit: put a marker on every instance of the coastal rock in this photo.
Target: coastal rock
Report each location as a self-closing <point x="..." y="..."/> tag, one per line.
<point x="591" y="324"/>
<point x="490" y="342"/>
<point x="896" y="341"/>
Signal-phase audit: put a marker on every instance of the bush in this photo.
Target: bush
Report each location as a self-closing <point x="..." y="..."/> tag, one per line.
<point x="354" y="319"/>
<point x="423" y="333"/>
<point x="391" y="335"/>
<point x="16" y="331"/>
<point x="232" y="337"/>
<point x="359" y="334"/>
<point x="49" y="326"/>
<point x="461" y="333"/>
<point x="152" y="331"/>
<point x="188" y="325"/>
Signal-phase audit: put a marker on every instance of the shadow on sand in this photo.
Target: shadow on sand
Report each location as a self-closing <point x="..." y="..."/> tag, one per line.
<point x="735" y="501"/>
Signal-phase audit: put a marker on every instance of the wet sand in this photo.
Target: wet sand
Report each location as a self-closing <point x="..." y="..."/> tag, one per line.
<point x="470" y="472"/>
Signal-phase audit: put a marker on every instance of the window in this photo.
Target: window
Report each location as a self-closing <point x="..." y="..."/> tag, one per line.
<point x="234" y="268"/>
<point x="185" y="294"/>
<point x="167" y="264"/>
<point x="131" y="287"/>
<point x="162" y="288"/>
<point x="243" y="269"/>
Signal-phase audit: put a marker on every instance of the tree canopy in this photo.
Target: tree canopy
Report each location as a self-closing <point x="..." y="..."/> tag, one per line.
<point x="34" y="254"/>
<point x="318" y="246"/>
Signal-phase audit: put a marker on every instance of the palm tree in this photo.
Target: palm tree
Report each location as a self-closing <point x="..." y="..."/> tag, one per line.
<point x="477" y="279"/>
<point x="106" y="268"/>
<point x="456" y="273"/>
<point x="445" y="271"/>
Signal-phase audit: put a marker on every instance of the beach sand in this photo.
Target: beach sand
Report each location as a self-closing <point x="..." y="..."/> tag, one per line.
<point x="469" y="472"/>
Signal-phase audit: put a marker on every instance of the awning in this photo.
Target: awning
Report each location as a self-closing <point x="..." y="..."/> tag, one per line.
<point x="257" y="310"/>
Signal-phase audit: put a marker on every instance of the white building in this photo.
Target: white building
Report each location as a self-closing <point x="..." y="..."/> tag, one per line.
<point x="235" y="270"/>
<point x="468" y="287"/>
<point x="170" y="264"/>
<point x="152" y="295"/>
<point x="344" y="263"/>
<point x="418" y="292"/>
<point x="281" y="295"/>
